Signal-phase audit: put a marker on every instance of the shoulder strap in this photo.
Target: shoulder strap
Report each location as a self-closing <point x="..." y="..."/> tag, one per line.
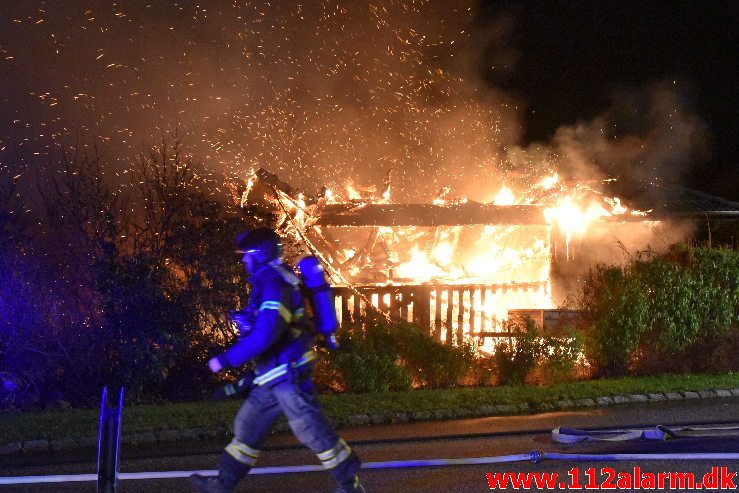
<point x="287" y="276"/>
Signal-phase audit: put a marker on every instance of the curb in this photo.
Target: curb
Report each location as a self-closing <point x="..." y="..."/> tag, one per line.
<point x="357" y="420"/>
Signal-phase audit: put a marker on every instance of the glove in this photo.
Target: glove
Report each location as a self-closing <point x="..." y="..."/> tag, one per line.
<point x="242" y="320"/>
<point x="331" y="342"/>
<point x="242" y="386"/>
<point x="215" y="365"/>
<point x="223" y="393"/>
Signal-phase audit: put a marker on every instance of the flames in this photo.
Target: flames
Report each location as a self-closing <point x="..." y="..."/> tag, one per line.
<point x="419" y="268"/>
<point x="497" y="267"/>
<point x="473" y="255"/>
<point x="504" y="197"/>
<point x="548" y="182"/>
<point x="573" y="218"/>
<point x="352" y="193"/>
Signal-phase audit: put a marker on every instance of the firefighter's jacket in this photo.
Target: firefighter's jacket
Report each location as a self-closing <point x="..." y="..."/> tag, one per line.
<point x="279" y="340"/>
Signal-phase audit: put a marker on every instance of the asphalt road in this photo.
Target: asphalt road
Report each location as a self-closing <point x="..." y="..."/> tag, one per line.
<point x="483" y="437"/>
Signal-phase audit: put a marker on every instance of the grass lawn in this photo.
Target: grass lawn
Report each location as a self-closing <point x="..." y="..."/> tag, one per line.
<point x="78" y="423"/>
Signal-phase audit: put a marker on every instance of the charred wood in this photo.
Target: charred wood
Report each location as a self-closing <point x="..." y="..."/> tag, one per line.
<point x="429" y="215"/>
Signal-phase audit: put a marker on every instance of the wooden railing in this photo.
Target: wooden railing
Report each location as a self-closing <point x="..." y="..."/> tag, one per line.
<point x="446" y="312"/>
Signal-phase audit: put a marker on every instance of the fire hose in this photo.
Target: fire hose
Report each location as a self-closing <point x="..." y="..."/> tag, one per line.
<point x="561" y="435"/>
<point x="534" y="456"/>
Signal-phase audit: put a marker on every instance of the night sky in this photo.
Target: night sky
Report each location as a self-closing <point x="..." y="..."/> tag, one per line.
<point x="467" y="94"/>
<point x="578" y="57"/>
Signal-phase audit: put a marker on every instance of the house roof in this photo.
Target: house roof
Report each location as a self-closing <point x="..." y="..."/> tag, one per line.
<point x="668" y="200"/>
<point x="429" y="214"/>
<point x="659" y="201"/>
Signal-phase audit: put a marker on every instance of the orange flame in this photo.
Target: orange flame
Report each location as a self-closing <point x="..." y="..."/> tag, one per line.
<point x="504" y="197"/>
<point x="352" y="192"/>
<point x="548" y="182"/>
<point x="573" y="219"/>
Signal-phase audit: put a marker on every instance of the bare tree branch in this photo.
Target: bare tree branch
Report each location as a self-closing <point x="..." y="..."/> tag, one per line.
<point x="165" y="179"/>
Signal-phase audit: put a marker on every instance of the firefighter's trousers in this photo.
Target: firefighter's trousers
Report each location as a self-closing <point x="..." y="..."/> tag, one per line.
<point x="294" y="396"/>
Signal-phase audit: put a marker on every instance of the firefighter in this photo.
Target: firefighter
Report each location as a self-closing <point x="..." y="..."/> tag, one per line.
<point x="277" y="336"/>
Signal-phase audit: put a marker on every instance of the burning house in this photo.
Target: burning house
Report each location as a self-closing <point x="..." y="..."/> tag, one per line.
<point x="459" y="268"/>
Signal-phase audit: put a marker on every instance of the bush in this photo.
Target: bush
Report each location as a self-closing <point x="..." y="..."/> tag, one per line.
<point x="432" y="363"/>
<point x="618" y="308"/>
<point x="30" y="354"/>
<point x="367" y="361"/>
<point x="371" y="371"/>
<point x="483" y="371"/>
<point x="327" y="376"/>
<point x="656" y="315"/>
<point x="718" y="272"/>
<point x="532" y="357"/>
<point x="560" y="355"/>
<point x="701" y="312"/>
<point x="143" y="331"/>
<point x="514" y="360"/>
<point x="675" y="308"/>
<point x="379" y="355"/>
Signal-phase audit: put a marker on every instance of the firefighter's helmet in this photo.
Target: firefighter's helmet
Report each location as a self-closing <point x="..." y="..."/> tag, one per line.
<point x="263" y="245"/>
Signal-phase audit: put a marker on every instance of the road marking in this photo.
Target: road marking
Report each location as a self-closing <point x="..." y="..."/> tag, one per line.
<point x="536" y="456"/>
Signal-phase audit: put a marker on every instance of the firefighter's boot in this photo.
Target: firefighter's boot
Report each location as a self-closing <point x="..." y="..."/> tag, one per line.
<point x="212" y="484"/>
<point x="230" y="472"/>
<point x="353" y="485"/>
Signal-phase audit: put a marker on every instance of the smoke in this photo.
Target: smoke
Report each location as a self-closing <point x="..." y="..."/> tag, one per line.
<point x="610" y="243"/>
<point x="387" y="86"/>
<point x="648" y="135"/>
<point x="647" y="139"/>
<point x="317" y="92"/>
<point x="321" y="93"/>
